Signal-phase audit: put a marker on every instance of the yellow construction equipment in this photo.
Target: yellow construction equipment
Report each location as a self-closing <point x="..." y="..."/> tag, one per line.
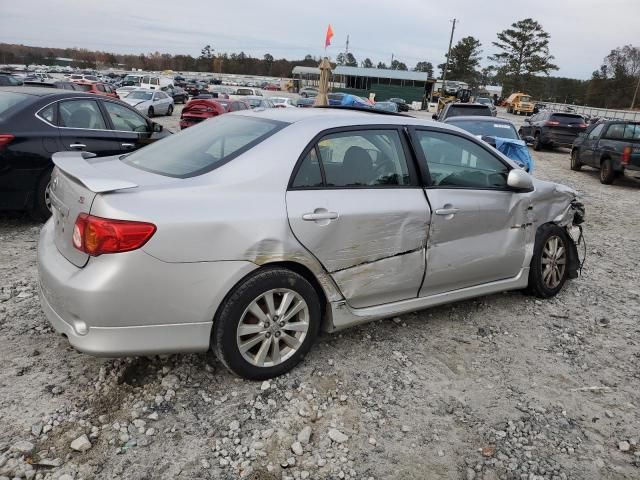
<point x="519" y="103"/>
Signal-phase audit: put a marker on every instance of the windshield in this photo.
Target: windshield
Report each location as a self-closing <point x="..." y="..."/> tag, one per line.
<point x="483" y="101"/>
<point x="139" y="95"/>
<point x="204" y="147"/>
<point x="8" y="100"/>
<point x="244" y="91"/>
<point x="476" y="111"/>
<point x="490" y="129"/>
<point x="132" y="80"/>
<point x="525" y="98"/>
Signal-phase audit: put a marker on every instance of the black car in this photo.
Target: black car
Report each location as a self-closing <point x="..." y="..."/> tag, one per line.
<point x="551" y="129"/>
<point x="463" y="110"/>
<point x="611" y="146"/>
<point x="402" y="104"/>
<point x="178" y="94"/>
<point x="63" y="84"/>
<point x="196" y="88"/>
<point x="8" y="80"/>
<point x="37" y="122"/>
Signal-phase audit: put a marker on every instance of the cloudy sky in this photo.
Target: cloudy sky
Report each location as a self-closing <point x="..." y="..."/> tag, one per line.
<point x="582" y="31"/>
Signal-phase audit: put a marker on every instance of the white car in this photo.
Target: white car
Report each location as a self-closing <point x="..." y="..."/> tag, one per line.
<point x="150" y="102"/>
<point x="283" y="102"/>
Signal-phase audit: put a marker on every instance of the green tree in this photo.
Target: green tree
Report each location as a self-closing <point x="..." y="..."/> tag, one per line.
<point x="341" y="59"/>
<point x="465" y="60"/>
<point x="350" y="60"/>
<point x="525" y="52"/>
<point x="367" y="63"/>
<point x="382" y="65"/>
<point x="268" y="63"/>
<point x="398" y="65"/>
<point x="426" y="67"/>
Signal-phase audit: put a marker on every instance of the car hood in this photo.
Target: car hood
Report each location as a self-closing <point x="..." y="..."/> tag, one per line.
<point x="553" y="202"/>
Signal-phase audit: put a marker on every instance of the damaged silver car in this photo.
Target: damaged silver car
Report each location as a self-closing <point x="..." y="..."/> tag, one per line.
<point x="248" y="233"/>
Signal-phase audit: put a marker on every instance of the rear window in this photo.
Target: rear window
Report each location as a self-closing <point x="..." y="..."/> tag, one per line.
<point x="244" y="91"/>
<point x="9" y="100"/>
<point x="83" y="87"/>
<point x="490" y="129"/>
<point x="567" y="118"/>
<point x="204" y="147"/>
<point x="476" y="111"/>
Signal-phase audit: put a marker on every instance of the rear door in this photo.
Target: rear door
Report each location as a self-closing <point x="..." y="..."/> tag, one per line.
<point x="130" y="129"/>
<point x="84" y="128"/>
<point x="478" y="229"/>
<point x="354" y="202"/>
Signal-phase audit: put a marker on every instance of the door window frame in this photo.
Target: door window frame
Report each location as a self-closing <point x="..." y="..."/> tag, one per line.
<point x="409" y="154"/>
<point x="424" y="166"/>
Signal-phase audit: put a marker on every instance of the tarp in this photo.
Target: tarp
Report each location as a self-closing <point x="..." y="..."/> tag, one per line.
<point x="353" y="101"/>
<point x="517" y="151"/>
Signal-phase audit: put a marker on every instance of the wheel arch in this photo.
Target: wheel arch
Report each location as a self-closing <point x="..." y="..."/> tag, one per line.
<point x="572" y="250"/>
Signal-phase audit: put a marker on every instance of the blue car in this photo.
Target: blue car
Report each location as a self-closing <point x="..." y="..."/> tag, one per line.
<point x="501" y="134"/>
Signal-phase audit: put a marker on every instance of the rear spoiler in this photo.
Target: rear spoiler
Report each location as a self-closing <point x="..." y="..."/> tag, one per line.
<point x="75" y="165"/>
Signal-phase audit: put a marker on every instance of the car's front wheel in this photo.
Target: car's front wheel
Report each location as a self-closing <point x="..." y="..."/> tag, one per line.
<point x="267" y="324"/>
<point x="550" y="263"/>
<point x="576" y="164"/>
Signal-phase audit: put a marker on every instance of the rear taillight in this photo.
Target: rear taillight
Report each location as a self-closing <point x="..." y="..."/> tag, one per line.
<point x="582" y="125"/>
<point x="5" y="139"/>
<point x="552" y="123"/>
<point x="96" y="235"/>
<point x="626" y="155"/>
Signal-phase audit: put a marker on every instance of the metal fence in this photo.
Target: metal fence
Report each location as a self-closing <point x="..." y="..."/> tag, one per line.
<point x="595" y="112"/>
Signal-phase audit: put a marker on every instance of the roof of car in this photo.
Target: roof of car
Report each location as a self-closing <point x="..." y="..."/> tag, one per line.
<point x="476" y="118"/>
<point x="44" y="92"/>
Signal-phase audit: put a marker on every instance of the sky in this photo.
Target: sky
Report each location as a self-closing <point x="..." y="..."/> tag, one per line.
<point x="582" y="32"/>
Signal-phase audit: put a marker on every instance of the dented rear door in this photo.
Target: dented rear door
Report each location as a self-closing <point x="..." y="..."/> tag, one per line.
<point x="362" y="215"/>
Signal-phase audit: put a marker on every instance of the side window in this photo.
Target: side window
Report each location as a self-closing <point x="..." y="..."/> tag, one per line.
<point x="615" y="131"/>
<point x="81" y="114"/>
<point x="48" y="113"/>
<point x="364" y="158"/>
<point x="155" y="81"/>
<point x="308" y="174"/>
<point x="125" y="119"/>
<point x="455" y="161"/>
<point x="145" y="80"/>
<point x="595" y="133"/>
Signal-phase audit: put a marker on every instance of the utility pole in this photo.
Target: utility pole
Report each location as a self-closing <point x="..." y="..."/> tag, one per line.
<point x="446" y="66"/>
<point x="346" y="50"/>
<point x="635" y="94"/>
<point x="391" y="61"/>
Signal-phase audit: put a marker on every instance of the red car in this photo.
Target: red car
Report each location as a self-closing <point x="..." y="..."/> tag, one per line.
<point x="199" y="109"/>
<point x="272" y="87"/>
<point x="97" y="88"/>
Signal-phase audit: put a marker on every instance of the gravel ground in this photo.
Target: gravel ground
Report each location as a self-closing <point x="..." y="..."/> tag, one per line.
<point x="500" y="387"/>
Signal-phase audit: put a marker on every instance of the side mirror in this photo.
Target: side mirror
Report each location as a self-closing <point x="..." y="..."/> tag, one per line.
<point x="434" y="116"/>
<point x="156" y="127"/>
<point x="520" y="180"/>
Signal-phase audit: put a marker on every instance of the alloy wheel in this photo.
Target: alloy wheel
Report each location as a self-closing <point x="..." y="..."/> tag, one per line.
<point x="273" y="327"/>
<point x="47" y="196"/>
<point x="554" y="260"/>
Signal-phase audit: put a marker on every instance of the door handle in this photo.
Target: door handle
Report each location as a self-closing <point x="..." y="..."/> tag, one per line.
<point x="320" y="216"/>
<point x="128" y="145"/>
<point x="77" y="145"/>
<point x="447" y="211"/>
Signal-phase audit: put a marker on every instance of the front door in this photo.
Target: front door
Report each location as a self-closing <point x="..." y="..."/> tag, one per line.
<point x="478" y="227"/>
<point x="355" y="204"/>
<point x="588" y="151"/>
<point x="83" y="127"/>
<point x="131" y="130"/>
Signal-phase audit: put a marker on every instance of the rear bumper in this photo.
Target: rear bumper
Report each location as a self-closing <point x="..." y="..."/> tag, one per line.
<point x="559" y="139"/>
<point x="132" y="303"/>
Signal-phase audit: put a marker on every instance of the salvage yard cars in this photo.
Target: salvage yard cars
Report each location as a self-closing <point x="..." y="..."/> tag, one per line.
<point x="249" y="232"/>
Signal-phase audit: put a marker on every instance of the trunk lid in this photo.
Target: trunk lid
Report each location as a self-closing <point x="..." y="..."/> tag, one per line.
<point x="78" y="177"/>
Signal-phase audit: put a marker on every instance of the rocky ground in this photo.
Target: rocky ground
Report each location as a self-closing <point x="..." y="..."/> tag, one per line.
<point x="500" y="387"/>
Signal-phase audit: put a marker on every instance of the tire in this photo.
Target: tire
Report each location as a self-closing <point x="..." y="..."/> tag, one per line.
<point x="537" y="143"/>
<point x="546" y="275"/>
<point x="40" y="209"/>
<point x="235" y="312"/>
<point x="607" y="175"/>
<point x="150" y="112"/>
<point x="576" y="164"/>
<point x="170" y="111"/>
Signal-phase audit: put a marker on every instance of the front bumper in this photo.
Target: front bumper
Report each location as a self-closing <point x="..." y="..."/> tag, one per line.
<point x="132" y="303"/>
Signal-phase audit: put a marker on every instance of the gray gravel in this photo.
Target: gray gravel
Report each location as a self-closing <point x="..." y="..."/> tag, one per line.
<point x="500" y="387"/>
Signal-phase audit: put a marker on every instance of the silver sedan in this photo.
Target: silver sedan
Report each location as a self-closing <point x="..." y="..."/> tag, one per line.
<point x="248" y="233"/>
<point x="150" y="102"/>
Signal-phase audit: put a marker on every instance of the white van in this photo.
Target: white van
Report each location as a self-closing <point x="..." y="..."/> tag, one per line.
<point x="155" y="83"/>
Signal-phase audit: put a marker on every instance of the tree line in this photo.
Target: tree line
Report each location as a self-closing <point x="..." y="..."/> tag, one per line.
<point x="523" y="63"/>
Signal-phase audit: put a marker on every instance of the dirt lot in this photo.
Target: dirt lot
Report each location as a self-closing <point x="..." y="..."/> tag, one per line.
<point x="500" y="387"/>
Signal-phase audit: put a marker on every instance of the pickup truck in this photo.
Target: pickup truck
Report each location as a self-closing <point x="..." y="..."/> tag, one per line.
<point x="611" y="146"/>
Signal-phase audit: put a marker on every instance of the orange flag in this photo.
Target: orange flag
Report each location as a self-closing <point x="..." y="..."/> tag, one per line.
<point x="327" y="40"/>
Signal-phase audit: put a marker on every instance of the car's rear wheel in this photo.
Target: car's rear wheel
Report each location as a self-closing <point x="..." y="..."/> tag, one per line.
<point x="170" y="110"/>
<point x="150" y="112"/>
<point x="267" y="324"/>
<point x="576" y="164"/>
<point x="537" y="143"/>
<point x="550" y="263"/>
<point x="40" y="209"/>
<point x="607" y="174"/>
